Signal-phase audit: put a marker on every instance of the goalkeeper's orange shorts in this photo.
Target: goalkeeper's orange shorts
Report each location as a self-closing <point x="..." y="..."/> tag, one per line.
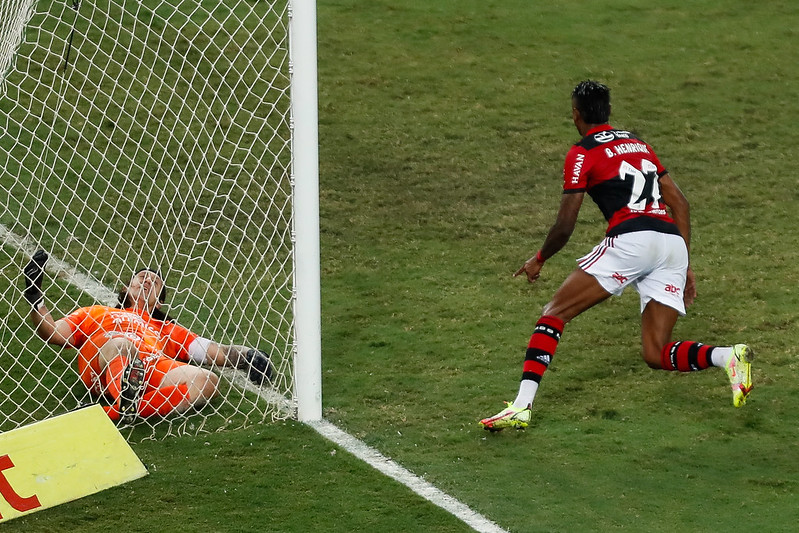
<point x="91" y="366"/>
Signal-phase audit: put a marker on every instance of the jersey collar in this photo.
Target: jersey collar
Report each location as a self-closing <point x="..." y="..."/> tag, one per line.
<point x="597" y="129"/>
<point x="144" y="314"/>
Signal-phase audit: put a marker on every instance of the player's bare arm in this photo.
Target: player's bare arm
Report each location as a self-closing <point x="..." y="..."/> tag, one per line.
<point x="678" y="205"/>
<point x="681" y="213"/>
<point x="50" y="330"/>
<point x="559" y="234"/>
<point x="238" y="356"/>
<point x="56" y="332"/>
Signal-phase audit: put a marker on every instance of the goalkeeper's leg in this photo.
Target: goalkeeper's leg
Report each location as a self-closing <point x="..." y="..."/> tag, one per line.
<point x="174" y="387"/>
<point x="122" y="377"/>
<point x="170" y="387"/>
<point x="158" y="387"/>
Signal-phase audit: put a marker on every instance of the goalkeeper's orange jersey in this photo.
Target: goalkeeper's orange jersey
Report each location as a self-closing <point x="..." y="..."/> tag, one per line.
<point x="98" y="323"/>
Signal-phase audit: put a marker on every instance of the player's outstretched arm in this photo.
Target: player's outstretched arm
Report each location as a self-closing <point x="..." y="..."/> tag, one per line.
<point x="255" y="362"/>
<point x="50" y="330"/>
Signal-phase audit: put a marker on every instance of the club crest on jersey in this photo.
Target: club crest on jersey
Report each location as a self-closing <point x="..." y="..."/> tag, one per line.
<point x="604" y="136"/>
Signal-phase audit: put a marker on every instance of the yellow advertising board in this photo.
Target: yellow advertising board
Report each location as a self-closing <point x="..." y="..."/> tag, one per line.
<point x="62" y="459"/>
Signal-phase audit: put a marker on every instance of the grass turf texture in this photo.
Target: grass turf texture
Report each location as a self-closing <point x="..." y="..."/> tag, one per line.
<point x="443" y="129"/>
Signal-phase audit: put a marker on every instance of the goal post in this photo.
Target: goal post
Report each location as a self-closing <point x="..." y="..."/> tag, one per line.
<point x="174" y="134"/>
<point x="306" y="207"/>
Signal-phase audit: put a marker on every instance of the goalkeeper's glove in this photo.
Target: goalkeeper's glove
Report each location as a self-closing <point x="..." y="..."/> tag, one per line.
<point x="259" y="367"/>
<point x="34" y="274"/>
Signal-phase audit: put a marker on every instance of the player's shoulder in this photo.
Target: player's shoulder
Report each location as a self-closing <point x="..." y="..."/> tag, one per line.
<point x="89" y="309"/>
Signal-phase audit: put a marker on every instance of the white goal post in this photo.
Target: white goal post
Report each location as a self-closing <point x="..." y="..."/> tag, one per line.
<point x="171" y="134"/>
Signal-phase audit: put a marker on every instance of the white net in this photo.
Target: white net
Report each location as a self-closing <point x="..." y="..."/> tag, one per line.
<point x="147" y="133"/>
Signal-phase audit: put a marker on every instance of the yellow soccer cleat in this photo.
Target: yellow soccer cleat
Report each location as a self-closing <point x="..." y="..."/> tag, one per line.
<point x="510" y="417"/>
<point x="739" y="370"/>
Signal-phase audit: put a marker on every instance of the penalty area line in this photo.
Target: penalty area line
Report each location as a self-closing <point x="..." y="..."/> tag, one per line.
<point x="398" y="473"/>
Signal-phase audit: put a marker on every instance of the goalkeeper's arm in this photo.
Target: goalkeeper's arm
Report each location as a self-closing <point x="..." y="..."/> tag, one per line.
<point x="50" y="330"/>
<point x="255" y="362"/>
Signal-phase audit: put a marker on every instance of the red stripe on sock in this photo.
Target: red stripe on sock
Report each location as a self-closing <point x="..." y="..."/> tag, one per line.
<point x="682" y="357"/>
<point x="677" y="356"/>
<point x="552" y="321"/>
<point x="542" y="341"/>
<point x="704" y="360"/>
<point x="113" y="376"/>
<point x="536" y="367"/>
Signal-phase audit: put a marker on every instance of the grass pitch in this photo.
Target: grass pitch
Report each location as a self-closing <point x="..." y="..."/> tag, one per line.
<point x="443" y="128"/>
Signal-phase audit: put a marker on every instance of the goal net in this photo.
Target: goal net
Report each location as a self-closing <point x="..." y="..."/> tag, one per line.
<point x="161" y="134"/>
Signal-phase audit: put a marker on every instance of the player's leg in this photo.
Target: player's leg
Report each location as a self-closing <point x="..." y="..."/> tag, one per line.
<point x="174" y="387"/>
<point x="579" y="292"/>
<point x="657" y="324"/>
<point x="662" y="303"/>
<point x="201" y="384"/>
<point x="689" y="356"/>
<point x="121" y="374"/>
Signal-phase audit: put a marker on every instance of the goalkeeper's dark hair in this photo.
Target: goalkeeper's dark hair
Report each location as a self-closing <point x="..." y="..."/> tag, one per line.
<point x="592" y="100"/>
<point x="124" y="301"/>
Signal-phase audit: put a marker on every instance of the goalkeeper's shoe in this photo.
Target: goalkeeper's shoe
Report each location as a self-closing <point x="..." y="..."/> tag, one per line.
<point x="739" y="370"/>
<point x="131" y="387"/>
<point x="510" y="417"/>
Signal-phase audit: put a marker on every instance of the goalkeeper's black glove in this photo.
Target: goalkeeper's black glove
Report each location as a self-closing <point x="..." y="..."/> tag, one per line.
<point x="259" y="367"/>
<point x="34" y="274"/>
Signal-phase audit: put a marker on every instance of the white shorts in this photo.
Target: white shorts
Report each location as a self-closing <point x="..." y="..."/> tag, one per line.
<point x="654" y="263"/>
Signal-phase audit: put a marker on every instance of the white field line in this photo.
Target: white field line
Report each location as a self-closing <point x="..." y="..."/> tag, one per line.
<point x="359" y="449"/>
<point x="398" y="473"/>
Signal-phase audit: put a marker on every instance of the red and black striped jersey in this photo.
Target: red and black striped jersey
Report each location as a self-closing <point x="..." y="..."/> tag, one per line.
<point x="620" y="172"/>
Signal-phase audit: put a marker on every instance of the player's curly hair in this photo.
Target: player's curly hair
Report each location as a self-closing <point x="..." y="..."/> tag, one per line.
<point x="124" y="301"/>
<point x="592" y="100"/>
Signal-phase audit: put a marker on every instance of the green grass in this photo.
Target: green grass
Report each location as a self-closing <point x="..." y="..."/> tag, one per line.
<point x="443" y="128"/>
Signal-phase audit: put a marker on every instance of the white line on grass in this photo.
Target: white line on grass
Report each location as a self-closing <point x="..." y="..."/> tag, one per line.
<point x="359" y="449"/>
<point x="393" y="470"/>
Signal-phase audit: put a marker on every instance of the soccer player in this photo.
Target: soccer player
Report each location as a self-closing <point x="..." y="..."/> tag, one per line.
<point x="134" y="354"/>
<point x="646" y="246"/>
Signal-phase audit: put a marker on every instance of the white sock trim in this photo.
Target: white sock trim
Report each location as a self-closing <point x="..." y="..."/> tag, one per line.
<point x="527" y="390"/>
<point x="720" y="355"/>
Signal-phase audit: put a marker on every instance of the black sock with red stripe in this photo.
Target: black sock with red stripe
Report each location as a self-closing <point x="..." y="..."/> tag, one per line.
<point x="541" y="348"/>
<point x="686" y="356"/>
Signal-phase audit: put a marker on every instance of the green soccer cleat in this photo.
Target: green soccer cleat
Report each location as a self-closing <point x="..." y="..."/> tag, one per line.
<point x="739" y="370"/>
<point x="510" y="417"/>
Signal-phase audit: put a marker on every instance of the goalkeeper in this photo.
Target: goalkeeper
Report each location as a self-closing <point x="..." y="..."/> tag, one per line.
<point x="134" y="354"/>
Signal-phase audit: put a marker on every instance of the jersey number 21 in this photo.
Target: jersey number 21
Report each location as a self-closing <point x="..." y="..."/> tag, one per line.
<point x="645" y="185"/>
